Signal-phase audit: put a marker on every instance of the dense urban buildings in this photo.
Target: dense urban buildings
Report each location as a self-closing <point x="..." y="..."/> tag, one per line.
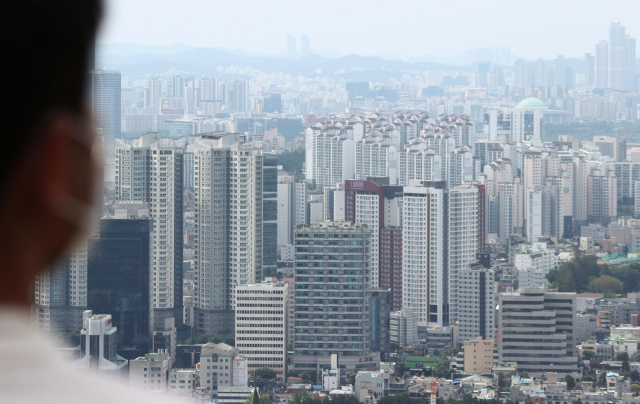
<point x="262" y="228"/>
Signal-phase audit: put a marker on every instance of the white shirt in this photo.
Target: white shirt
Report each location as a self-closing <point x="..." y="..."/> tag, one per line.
<point x="32" y="372"/>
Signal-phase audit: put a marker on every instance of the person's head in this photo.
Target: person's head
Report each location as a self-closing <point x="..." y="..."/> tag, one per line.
<point x="45" y="162"/>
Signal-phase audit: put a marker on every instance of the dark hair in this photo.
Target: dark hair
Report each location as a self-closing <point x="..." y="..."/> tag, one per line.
<point x="48" y="47"/>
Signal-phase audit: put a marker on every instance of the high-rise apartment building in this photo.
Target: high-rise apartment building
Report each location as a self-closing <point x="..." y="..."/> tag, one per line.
<point x="239" y="96"/>
<point x="105" y="106"/>
<point x="333" y="158"/>
<point x="602" y="64"/>
<point x="174" y="87"/>
<point x="537" y="331"/>
<point x="151" y="171"/>
<point x="378" y="206"/>
<point x="228" y="226"/>
<point x="477" y="300"/>
<point x="439" y="239"/>
<point x="376" y="156"/>
<point x="390" y="264"/>
<point x="616" y="60"/>
<point x="589" y="70"/>
<point x="285" y="210"/>
<point x="262" y="312"/>
<point x="152" y="94"/>
<point x="602" y="191"/>
<point x="332" y="305"/>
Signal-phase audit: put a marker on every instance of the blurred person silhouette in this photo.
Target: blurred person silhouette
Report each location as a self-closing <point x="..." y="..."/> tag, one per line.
<point x="47" y="172"/>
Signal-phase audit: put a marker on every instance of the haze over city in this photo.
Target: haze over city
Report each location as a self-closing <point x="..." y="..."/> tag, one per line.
<point x="243" y="202"/>
<point x="532" y="29"/>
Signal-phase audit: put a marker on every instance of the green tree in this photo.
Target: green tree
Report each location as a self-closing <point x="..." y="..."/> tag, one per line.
<point x="230" y="340"/>
<point x="588" y="354"/>
<point x="603" y="378"/>
<point x="566" y="280"/>
<point x="292" y="162"/>
<point x="401" y="368"/>
<point x="622" y="356"/>
<point x="216" y="339"/>
<point x="635" y="389"/>
<point x="443" y="369"/>
<point x="394" y="346"/>
<point x="578" y="401"/>
<point x="293" y="373"/>
<point x="265" y="373"/>
<point x="588" y="378"/>
<point x="290" y="347"/>
<point x="262" y="398"/>
<point x="344" y="399"/>
<point x="606" y="283"/>
<point x="179" y="364"/>
<point x="352" y="378"/>
<point x="436" y="353"/>
<point x="552" y="277"/>
<point x="571" y="382"/>
<point x="634" y="376"/>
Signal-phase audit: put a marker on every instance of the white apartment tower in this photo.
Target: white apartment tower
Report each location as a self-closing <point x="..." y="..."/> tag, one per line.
<point x="228" y="231"/>
<point x="150" y="170"/>
<point x="333" y="158"/>
<point x="375" y="156"/>
<point x="262" y="312"/>
<point x="440" y="239"/>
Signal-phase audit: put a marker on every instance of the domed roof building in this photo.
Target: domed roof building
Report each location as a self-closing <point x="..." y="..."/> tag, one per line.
<point x="532" y="102"/>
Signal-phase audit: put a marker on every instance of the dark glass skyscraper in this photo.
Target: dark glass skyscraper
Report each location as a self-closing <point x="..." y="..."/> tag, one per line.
<point x="118" y="281"/>
<point x="270" y="215"/>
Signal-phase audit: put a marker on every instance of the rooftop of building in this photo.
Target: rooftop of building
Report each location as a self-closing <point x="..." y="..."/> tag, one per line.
<point x="532" y="102"/>
<point x="333" y="226"/>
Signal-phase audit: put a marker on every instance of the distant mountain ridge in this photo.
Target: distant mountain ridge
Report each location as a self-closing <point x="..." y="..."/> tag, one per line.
<point x="198" y="61"/>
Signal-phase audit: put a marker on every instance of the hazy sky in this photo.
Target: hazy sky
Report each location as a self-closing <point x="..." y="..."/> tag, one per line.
<point x="532" y="28"/>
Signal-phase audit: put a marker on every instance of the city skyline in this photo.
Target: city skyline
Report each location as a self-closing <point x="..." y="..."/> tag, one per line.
<point x="568" y="29"/>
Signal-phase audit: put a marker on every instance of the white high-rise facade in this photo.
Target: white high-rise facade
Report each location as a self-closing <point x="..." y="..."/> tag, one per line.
<point x="440" y="238"/>
<point x="228" y="226"/>
<point x="262" y="312"/>
<point x="148" y="170"/>
<point x="333" y="158"/>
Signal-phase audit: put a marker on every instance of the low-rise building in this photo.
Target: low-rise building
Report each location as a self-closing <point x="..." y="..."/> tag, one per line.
<point x="404" y="328"/>
<point x="478" y="355"/>
<point x="378" y="382"/>
<point x="218" y="367"/>
<point x="234" y="395"/>
<point x="149" y="372"/>
<point x="182" y="382"/>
